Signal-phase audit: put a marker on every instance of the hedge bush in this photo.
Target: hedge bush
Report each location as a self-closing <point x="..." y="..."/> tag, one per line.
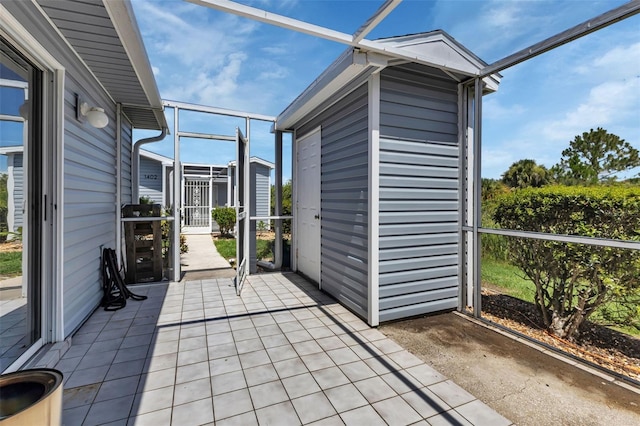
<point x="225" y="217"/>
<point x="573" y="280"/>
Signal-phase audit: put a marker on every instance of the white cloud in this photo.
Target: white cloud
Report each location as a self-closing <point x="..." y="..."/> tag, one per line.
<point x="493" y="109"/>
<point x="607" y="103"/>
<point x="156" y="71"/>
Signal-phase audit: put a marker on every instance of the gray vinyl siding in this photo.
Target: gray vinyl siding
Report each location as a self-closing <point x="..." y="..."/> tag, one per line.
<point x="89" y="205"/>
<point x="151" y="180"/>
<point x="263" y="189"/>
<point x="18" y="191"/>
<point x="125" y="155"/>
<point x="89" y="180"/>
<point x="418" y="252"/>
<point x="344" y="199"/>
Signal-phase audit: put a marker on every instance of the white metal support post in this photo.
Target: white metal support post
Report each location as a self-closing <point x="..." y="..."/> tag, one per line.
<point x="468" y="196"/>
<point x="462" y="195"/>
<point x="374" y="201"/>
<point x="177" y="196"/>
<point x="477" y="193"/>
<point x="278" y="254"/>
<point x="247" y="195"/>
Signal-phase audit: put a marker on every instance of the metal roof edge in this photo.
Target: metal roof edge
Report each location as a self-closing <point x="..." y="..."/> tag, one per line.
<point x="255" y="160"/>
<point x="343" y="69"/>
<point x="354" y="61"/>
<point x="124" y="22"/>
<point x="155" y="156"/>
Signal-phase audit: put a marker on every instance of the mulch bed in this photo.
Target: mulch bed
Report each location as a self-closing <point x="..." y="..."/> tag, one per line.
<point x="10" y="246"/>
<point x="598" y="344"/>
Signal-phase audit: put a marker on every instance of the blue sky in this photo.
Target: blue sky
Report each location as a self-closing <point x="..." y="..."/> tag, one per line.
<point x="208" y="57"/>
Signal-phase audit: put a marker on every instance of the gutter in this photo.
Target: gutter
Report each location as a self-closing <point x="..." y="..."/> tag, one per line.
<point x="135" y="164"/>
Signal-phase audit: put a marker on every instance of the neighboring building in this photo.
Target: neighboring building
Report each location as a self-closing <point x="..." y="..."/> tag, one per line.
<point x="204" y="187"/>
<point x="15" y="188"/>
<point x="67" y="57"/>
<point x="376" y="176"/>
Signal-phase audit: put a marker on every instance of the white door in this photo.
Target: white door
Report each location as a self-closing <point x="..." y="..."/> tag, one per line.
<point x="308" y="206"/>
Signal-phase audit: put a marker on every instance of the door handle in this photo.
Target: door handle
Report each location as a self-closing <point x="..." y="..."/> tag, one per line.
<point x="317" y="216"/>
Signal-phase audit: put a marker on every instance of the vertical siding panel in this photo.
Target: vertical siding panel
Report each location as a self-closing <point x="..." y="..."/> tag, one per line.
<point x="418" y="192"/>
<point x="344" y="199"/>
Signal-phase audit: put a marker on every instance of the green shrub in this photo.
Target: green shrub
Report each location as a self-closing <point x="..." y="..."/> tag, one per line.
<point x="571" y="280"/>
<point x="225" y="217"/>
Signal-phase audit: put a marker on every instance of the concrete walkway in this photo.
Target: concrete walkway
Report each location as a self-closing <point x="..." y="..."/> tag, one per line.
<point x="283" y="353"/>
<point x="203" y="261"/>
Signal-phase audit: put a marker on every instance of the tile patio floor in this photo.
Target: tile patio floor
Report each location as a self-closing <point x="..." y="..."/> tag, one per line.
<point x="284" y="354"/>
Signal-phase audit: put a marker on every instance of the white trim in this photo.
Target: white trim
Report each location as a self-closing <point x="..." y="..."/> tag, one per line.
<point x="25" y="41"/>
<point x="374" y="200"/>
<point x="52" y="319"/>
<point x="153" y="156"/>
<point x="25" y="357"/>
<point x="462" y="202"/>
<point x="4" y="82"/>
<point x="177" y="198"/>
<point x="124" y="23"/>
<point x="58" y="196"/>
<point x="294" y="201"/>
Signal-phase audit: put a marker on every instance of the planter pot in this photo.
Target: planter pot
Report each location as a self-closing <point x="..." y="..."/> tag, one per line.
<point x="31" y="397"/>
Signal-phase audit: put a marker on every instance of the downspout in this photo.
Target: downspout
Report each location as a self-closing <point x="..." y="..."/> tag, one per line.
<point x="118" y="179"/>
<point x="135" y="164"/>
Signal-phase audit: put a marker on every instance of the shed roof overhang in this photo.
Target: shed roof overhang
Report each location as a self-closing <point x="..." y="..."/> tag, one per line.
<point x="107" y="39"/>
<point x="436" y="48"/>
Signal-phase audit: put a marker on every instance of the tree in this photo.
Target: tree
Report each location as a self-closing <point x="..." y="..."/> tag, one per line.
<point x="572" y="280"/>
<point x="286" y="204"/>
<point x="594" y="157"/>
<point x="526" y="173"/>
<point x="492" y="189"/>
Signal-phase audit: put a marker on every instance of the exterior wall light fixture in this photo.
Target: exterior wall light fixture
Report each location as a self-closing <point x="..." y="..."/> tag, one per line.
<point x="94" y="115"/>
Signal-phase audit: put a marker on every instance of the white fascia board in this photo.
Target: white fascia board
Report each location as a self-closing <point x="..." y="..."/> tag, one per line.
<point x="16" y="84"/>
<point x="343" y="70"/>
<point x="11" y="149"/>
<point x="157" y="157"/>
<point x="263" y="162"/>
<point x="256" y="160"/>
<point x="124" y="22"/>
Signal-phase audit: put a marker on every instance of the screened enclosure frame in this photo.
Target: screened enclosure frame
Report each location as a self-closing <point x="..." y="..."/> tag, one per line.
<point x="470" y="94"/>
<point x="178" y="199"/>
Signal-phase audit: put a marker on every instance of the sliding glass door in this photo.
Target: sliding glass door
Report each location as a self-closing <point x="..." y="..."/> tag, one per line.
<point x="21" y="206"/>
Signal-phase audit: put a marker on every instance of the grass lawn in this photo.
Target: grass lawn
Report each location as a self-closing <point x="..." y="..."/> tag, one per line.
<point x="227" y="248"/>
<point x="11" y="263"/>
<point x="508" y="279"/>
